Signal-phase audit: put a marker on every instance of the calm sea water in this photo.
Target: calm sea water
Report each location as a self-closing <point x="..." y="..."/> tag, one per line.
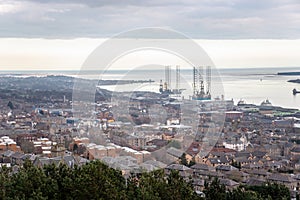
<point x="250" y="84"/>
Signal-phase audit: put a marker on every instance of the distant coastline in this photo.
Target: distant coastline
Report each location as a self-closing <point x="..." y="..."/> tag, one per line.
<point x="294" y="81"/>
<point x="289" y="73"/>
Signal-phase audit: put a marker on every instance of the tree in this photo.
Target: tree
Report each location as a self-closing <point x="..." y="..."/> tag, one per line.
<point x="10" y="105"/>
<point x="271" y="190"/>
<point x="4" y="180"/>
<point x="236" y="164"/>
<point x="192" y="162"/>
<point x="96" y="180"/>
<point x="183" y="160"/>
<point x="178" y="188"/>
<point x="214" y="190"/>
<point x="240" y="193"/>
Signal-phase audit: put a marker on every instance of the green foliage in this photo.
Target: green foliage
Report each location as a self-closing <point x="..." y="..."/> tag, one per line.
<point x="236" y="164"/>
<point x="271" y="191"/>
<point x="192" y="162"/>
<point x="239" y="193"/>
<point x="155" y="185"/>
<point x="178" y="188"/>
<point x="215" y="190"/>
<point x="97" y="181"/>
<point x="92" y="181"/>
<point x="183" y="160"/>
<point x="10" y="105"/>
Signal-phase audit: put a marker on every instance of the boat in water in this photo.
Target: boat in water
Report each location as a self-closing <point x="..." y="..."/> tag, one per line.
<point x="295" y="91"/>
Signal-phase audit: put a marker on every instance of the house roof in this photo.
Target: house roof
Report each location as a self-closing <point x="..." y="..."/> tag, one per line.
<point x="228" y="182"/>
<point x="70" y="161"/>
<point x="226" y="168"/>
<point x="225" y="150"/>
<point x="8" y="153"/>
<point x="252" y="165"/>
<point x="26" y="156"/>
<point x="17" y="155"/>
<point x="201" y="166"/>
<point x="156" y="163"/>
<point x="42" y="161"/>
<point x="258" y="154"/>
<point x="178" y="167"/>
<point x="281" y="178"/>
<point x="254" y="182"/>
<point x="238" y="173"/>
<point x="82" y="161"/>
<point x="175" y="152"/>
<point x="158" y="142"/>
<point x="242" y="154"/>
<point x="148" y="167"/>
<point x="220" y="160"/>
<point x="210" y="173"/>
<point x="194" y="148"/>
<point x="258" y="172"/>
<point x="242" y="159"/>
<point x="296" y="149"/>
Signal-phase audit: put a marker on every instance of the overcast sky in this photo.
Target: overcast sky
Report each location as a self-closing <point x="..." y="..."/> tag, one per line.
<point x="42" y="32"/>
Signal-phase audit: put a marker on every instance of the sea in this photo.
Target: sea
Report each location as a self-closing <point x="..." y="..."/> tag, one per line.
<point x="252" y="85"/>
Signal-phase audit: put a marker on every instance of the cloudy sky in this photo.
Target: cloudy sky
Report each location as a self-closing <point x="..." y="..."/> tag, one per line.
<point x="41" y="34"/>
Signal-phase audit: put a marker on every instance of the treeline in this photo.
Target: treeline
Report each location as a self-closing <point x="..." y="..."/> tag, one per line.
<point x="97" y="181"/>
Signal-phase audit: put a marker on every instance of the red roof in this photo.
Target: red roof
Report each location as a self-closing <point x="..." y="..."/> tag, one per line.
<point x="224" y="150"/>
<point x="194" y="148"/>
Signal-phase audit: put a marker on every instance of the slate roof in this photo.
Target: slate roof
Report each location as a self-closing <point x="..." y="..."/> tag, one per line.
<point x="281" y="178"/>
<point x="17" y="155"/>
<point x="175" y="152"/>
<point x="8" y="153"/>
<point x="156" y="163"/>
<point x="254" y="182"/>
<point x="296" y="149"/>
<point x="44" y="161"/>
<point x="158" y="142"/>
<point x="210" y="173"/>
<point x="26" y="156"/>
<point x="200" y="166"/>
<point x="220" y="160"/>
<point x="82" y="161"/>
<point x="70" y="161"/>
<point x="242" y="159"/>
<point x="252" y="166"/>
<point x="242" y="154"/>
<point x="258" y="154"/>
<point x="228" y="182"/>
<point x="178" y="167"/>
<point x="226" y="168"/>
<point x="148" y="167"/>
<point x="260" y="172"/>
<point x="239" y="173"/>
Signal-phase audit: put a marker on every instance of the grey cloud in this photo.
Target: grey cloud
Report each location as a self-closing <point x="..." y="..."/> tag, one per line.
<point x="213" y="19"/>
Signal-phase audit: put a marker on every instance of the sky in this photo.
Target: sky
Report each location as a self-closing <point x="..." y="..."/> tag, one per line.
<point x="60" y="34"/>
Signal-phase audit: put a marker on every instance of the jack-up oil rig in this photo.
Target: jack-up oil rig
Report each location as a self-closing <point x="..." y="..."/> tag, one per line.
<point x="165" y="88"/>
<point x="199" y="92"/>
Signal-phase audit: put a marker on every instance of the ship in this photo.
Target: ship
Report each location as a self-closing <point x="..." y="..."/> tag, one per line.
<point x="295" y="91"/>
